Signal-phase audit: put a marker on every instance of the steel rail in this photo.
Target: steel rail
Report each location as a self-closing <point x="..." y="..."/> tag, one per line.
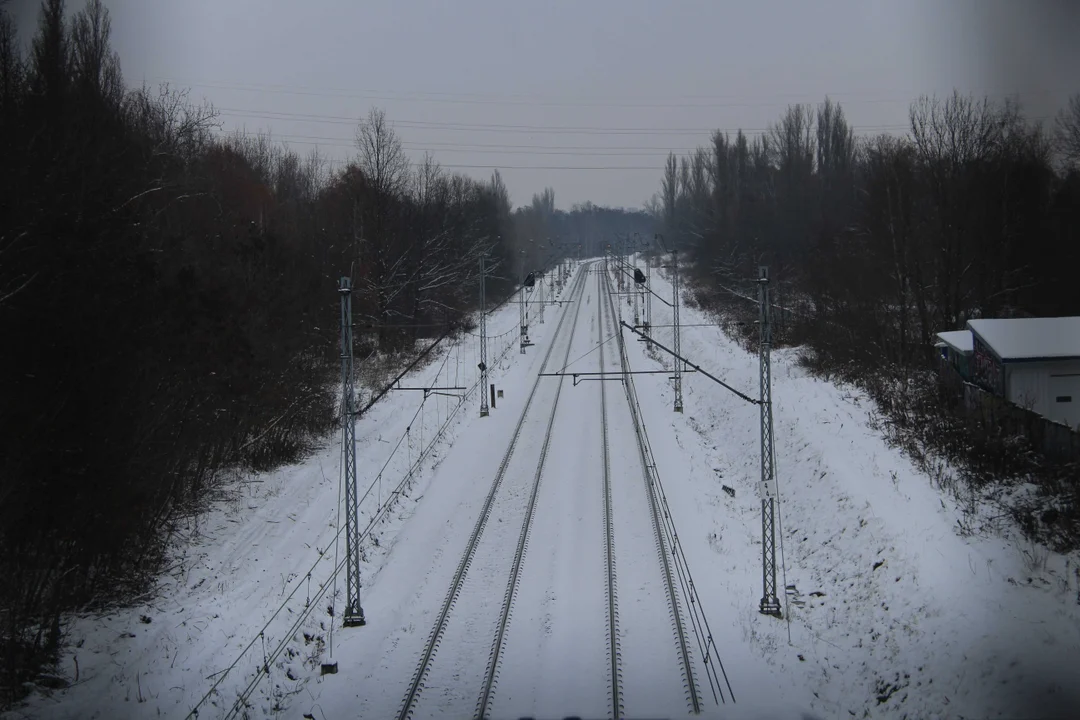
<point x="614" y="647"/>
<point x="491" y="674"/>
<point x="678" y="626"/>
<point x="423" y="667"/>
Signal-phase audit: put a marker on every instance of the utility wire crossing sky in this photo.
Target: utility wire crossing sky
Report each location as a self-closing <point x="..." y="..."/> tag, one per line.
<point x="585" y="97"/>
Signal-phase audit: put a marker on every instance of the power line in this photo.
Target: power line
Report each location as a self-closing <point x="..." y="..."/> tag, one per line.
<point x="705" y="101"/>
<point x="491" y="149"/>
<point x="656" y="168"/>
<point x="482" y="150"/>
<point x="485" y="149"/>
<point x="514" y="127"/>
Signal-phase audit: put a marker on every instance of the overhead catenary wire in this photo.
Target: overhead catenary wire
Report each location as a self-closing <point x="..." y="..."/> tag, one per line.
<point x="284" y="604"/>
<point x="590" y="352"/>
<point x="302" y="616"/>
<point x="699" y="622"/>
<point x="417" y="682"/>
<point x="312" y="602"/>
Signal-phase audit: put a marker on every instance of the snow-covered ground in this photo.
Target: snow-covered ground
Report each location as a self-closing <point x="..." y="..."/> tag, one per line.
<point x="899" y="614"/>
<point x="240" y="564"/>
<point x="895" y="612"/>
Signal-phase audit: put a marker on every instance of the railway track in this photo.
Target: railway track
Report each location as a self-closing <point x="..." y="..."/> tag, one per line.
<point x="416" y="684"/>
<point x="613" y="649"/>
<point x="664" y="555"/>
<point x="615" y="687"/>
<point x="483" y="705"/>
<point x="524" y="494"/>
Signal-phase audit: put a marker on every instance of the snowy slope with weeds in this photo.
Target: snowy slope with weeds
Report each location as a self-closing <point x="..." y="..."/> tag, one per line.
<point x="896" y="607"/>
<point x="243" y="573"/>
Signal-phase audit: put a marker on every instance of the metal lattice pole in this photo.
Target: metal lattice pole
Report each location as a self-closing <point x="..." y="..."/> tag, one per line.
<point x="521" y="305"/>
<point x="354" y="613"/>
<point x="648" y="300"/>
<point x="619" y="261"/>
<point x="678" y="334"/>
<point x="634" y="289"/>
<point x="770" y="603"/>
<point x="540" y="285"/>
<point x="483" y="339"/>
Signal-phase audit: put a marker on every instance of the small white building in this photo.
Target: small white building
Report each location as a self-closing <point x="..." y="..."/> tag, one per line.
<point x="1031" y="362"/>
<point x="956" y="347"/>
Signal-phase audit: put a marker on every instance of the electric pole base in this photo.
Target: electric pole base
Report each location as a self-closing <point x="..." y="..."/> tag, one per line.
<point x="354" y="618"/>
<point x="770" y="606"/>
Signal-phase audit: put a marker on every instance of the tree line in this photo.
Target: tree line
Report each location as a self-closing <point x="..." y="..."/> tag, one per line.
<point x="878" y="243"/>
<point x="543" y="234"/>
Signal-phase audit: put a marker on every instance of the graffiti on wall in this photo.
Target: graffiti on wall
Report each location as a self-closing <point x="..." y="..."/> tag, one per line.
<point x="986" y="370"/>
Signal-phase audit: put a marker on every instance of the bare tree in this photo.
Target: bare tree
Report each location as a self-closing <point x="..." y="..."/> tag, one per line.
<point x="50" y="54"/>
<point x="381" y="156"/>
<point x="386" y="170"/>
<point x="95" y="65"/>
<point x="500" y="194"/>
<point x="425" y="180"/>
<point x="835" y="144"/>
<point x="12" y="70"/>
<point x="793" y="143"/>
<point x="953" y="139"/>
<point x="544" y="202"/>
<point x="1067" y="132"/>
<point x="670" y="192"/>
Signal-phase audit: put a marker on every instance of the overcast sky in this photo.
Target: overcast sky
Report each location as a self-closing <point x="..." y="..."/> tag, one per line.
<point x="559" y="93"/>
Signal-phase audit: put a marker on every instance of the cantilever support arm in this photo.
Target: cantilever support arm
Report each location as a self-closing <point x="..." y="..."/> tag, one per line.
<point x="623" y="266"/>
<point x="715" y="379"/>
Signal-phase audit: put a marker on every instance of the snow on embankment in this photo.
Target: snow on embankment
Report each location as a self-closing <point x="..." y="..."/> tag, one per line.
<point x="236" y="565"/>
<point x="896" y="611"/>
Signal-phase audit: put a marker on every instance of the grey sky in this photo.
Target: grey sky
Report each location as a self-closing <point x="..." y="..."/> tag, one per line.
<point x="585" y="64"/>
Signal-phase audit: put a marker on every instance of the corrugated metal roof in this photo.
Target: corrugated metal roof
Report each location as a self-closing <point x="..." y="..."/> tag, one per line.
<point x="1030" y="338"/>
<point x="959" y="340"/>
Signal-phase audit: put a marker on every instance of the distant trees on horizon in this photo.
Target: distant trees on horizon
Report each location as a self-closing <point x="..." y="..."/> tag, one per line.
<point x="877" y="243"/>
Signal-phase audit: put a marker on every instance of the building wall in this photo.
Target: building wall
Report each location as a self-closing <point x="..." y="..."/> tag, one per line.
<point x="985" y="368"/>
<point x="1051" y="389"/>
<point x="962" y="362"/>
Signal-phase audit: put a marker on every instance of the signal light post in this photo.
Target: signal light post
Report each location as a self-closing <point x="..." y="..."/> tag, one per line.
<point x="521" y="305"/>
<point x="483" y="338"/>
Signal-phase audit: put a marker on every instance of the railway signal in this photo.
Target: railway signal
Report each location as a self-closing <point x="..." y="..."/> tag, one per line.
<point x="483" y="338"/>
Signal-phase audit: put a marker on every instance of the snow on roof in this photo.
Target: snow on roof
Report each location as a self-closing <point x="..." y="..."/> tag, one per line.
<point x="1030" y="338"/>
<point x="959" y="340"/>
